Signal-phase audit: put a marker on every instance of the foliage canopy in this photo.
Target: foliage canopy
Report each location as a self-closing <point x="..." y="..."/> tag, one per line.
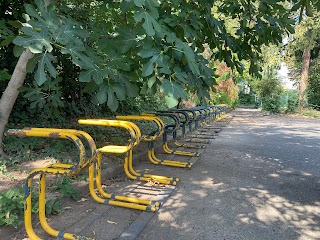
<point x="123" y="48"/>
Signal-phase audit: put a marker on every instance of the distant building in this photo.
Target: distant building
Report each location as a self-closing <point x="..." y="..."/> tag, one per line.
<point x="244" y="87"/>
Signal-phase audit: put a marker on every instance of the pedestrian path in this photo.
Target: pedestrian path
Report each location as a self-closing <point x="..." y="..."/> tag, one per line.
<point x="258" y="179"/>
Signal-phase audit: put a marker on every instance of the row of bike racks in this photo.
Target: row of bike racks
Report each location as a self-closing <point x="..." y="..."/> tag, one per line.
<point x="171" y="122"/>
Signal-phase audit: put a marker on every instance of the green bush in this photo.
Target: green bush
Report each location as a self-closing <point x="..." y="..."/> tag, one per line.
<point x="246" y="99"/>
<point x="272" y="103"/>
<point x="12" y="206"/>
<point x="293" y="97"/>
<point x="63" y="186"/>
<point x="313" y="89"/>
<point x="12" y="201"/>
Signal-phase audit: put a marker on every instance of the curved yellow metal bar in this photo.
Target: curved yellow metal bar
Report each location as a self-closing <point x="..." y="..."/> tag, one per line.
<point x="160" y="179"/>
<point x="53" y="133"/>
<point x="65" y="170"/>
<point x="114" y="123"/>
<point x="118" y="197"/>
<point x="186" y="145"/>
<point x="113" y="201"/>
<point x="178" y="152"/>
<point x="130" y="172"/>
<point x="77" y="133"/>
<point x="150" y="117"/>
<point x="135" y="136"/>
<point x="157" y="134"/>
<point x="42" y="203"/>
<point x="171" y="163"/>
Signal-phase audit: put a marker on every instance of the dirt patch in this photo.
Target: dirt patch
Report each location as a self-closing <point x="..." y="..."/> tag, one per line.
<point x="17" y="175"/>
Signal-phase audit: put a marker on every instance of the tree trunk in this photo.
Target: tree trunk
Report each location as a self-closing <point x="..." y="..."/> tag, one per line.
<point x="304" y="79"/>
<point x="11" y="92"/>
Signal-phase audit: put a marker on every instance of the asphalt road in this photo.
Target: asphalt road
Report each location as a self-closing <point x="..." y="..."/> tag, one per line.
<point x="259" y="179"/>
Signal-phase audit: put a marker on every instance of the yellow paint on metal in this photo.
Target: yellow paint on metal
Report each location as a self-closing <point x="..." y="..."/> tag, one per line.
<point x="178" y="152"/>
<point x="151" y="118"/>
<point x="160" y="179"/>
<point x="157" y="134"/>
<point x="117" y="197"/>
<point x="135" y="134"/>
<point x="171" y="163"/>
<point x="114" y="149"/>
<point x="178" y="144"/>
<point x="72" y="169"/>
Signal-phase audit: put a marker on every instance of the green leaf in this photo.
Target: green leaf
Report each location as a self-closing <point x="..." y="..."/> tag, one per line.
<point x="70" y="32"/>
<point x="151" y="81"/>
<point x="181" y="76"/>
<point x="7" y="40"/>
<point x="4" y="75"/>
<point x="188" y="53"/>
<point x="36" y="42"/>
<point x="95" y="74"/>
<point x="177" y="90"/>
<point x="139" y="3"/>
<point x="120" y="92"/>
<point x="16" y="24"/>
<point x="127" y="39"/>
<point x="18" y="50"/>
<point x="78" y="56"/>
<point x="171" y="100"/>
<point x="146" y="53"/>
<point x="147" y="68"/>
<point x="152" y="4"/>
<point x="150" y="23"/>
<point x="144" y="89"/>
<point x="31" y="11"/>
<point x="132" y="89"/>
<point x="44" y="63"/>
<point x="125" y="6"/>
<point x="102" y="95"/>
<point x="117" y="61"/>
<point x="112" y="103"/>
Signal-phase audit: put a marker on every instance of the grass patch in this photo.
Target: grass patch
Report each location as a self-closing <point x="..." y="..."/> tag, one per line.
<point x="310" y="113"/>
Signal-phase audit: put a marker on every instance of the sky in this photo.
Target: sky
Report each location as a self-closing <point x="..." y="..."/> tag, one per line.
<point x="283" y="73"/>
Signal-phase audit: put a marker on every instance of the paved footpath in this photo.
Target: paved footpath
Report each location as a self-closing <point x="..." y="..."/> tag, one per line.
<point x="259" y="179"/>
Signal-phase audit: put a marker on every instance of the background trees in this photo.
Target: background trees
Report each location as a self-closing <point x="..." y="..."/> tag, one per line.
<point x="104" y="52"/>
<point x="302" y="54"/>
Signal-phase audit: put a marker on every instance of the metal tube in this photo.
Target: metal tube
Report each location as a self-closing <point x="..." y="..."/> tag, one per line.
<point x="160" y="179"/>
<point x="114" y="202"/>
<point x="117" y="197"/>
<point x="28" y="212"/>
<point x="160" y="124"/>
<point x="42" y="213"/>
<point x="178" y="152"/>
<point x="169" y="162"/>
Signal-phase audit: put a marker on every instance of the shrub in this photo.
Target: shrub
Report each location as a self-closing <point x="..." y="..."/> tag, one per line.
<point x="293" y="100"/>
<point x="272" y="103"/>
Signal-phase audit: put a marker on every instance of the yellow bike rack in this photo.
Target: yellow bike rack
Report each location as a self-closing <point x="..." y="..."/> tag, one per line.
<point x="153" y="136"/>
<point x="144" y="205"/>
<point x="135" y="133"/>
<point x="54" y="169"/>
<point x="69" y="170"/>
<point x="171" y="129"/>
